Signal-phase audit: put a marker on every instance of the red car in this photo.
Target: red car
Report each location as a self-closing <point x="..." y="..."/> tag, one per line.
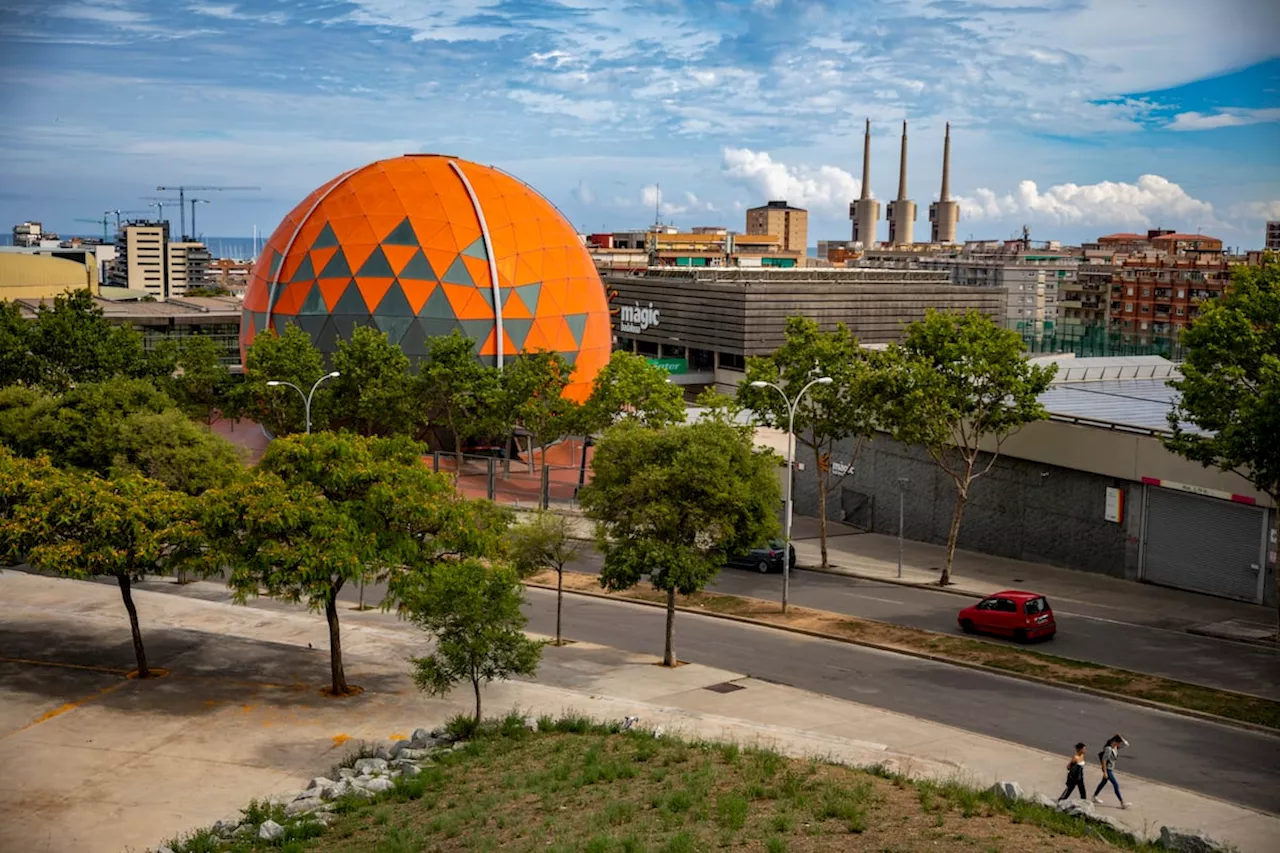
<point x="1013" y="613"/>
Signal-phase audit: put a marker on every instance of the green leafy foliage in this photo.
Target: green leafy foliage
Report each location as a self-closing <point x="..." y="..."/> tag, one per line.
<point x="1228" y="410"/>
<point x="201" y="384"/>
<point x="472" y="610"/>
<point x="117" y="426"/>
<point x="455" y="391"/>
<point x="288" y="357"/>
<point x="545" y="542"/>
<point x="83" y="526"/>
<point x="957" y="380"/>
<point x="371" y="395"/>
<point x="532" y="389"/>
<point x="629" y="388"/>
<point x="672" y="504"/>
<point x="850" y="407"/>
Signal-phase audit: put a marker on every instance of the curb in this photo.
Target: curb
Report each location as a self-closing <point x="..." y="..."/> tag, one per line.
<point x="1034" y="679"/>
<point x="929" y="587"/>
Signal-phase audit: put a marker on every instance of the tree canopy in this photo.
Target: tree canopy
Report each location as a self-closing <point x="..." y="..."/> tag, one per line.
<point x="957" y="380"/>
<point x="1228" y="410"/>
<point x="455" y="391"/>
<point x="201" y="384"/>
<point x="533" y="387"/>
<point x="849" y="408"/>
<point x="372" y="394"/>
<point x="545" y="541"/>
<point x="288" y="357"/>
<point x="673" y="504"/>
<point x="629" y="388"/>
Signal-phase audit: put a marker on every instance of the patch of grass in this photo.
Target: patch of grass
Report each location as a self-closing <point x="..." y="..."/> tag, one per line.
<point x="585" y="789"/>
<point x="1117" y="682"/>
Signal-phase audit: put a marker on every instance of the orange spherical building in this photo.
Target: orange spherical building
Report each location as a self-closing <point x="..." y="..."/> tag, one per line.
<point x="420" y="245"/>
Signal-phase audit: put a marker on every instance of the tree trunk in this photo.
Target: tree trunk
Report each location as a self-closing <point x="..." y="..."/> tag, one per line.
<point x="506" y="457"/>
<point x="339" y="677"/>
<point x="824" y="483"/>
<point x="962" y="497"/>
<point x="1266" y="552"/>
<point x="475" y="684"/>
<point x="528" y="451"/>
<point x="669" y="656"/>
<point x="139" y="653"/>
<point x="457" y="449"/>
<point x="559" y="601"/>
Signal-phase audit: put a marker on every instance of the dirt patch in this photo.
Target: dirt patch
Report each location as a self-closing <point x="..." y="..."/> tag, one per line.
<point x="1119" y="682"/>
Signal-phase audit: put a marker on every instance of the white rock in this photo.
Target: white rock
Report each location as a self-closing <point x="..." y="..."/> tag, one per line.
<point x="1080" y="808"/>
<point x="657" y="733"/>
<point x="270" y="831"/>
<point x="458" y="745"/>
<point x="304" y="805"/>
<point x="164" y="850"/>
<point x="394" y="751"/>
<point x="1047" y="801"/>
<point x="225" y="827"/>
<point x="420" y="736"/>
<point x="628" y="723"/>
<point x="413" y="754"/>
<point x="1187" y="841"/>
<point x="531" y="723"/>
<point x="438" y="733"/>
<point x="409" y="769"/>
<point x="377" y="784"/>
<point x="370" y="766"/>
<point x="347" y="773"/>
<point x="319" y="783"/>
<point x="1008" y="790"/>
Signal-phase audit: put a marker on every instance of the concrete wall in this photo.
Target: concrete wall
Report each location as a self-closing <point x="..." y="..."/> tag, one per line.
<point x="1020" y="509"/>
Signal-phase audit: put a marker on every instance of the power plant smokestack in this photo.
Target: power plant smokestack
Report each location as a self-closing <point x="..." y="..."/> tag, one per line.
<point x="944" y="214"/>
<point x="902" y="211"/>
<point x="865" y="212"/>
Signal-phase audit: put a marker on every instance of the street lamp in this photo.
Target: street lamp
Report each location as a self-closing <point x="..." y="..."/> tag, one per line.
<point x="786" y="522"/>
<point x="306" y="398"/>
<point x="902" y="490"/>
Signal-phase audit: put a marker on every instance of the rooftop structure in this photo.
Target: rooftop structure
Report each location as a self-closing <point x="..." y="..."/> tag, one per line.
<point x="865" y="212"/>
<point x="781" y="220"/>
<point x="944" y="214"/>
<point x="901" y="212"/>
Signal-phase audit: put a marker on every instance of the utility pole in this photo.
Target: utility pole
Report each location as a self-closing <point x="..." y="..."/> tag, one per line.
<point x="902" y="491"/>
<point x="182" y="200"/>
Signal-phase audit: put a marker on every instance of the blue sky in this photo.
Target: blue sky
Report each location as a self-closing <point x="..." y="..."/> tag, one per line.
<point x="1077" y="117"/>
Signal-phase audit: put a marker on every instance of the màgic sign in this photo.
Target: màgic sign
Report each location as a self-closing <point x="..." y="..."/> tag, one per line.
<point x="635" y="319"/>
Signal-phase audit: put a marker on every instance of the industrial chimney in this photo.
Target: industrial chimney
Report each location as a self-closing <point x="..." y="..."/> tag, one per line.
<point x="865" y="212"/>
<point x="902" y="211"/>
<point x="945" y="213"/>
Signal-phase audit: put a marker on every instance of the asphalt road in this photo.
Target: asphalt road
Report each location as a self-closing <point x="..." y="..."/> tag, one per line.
<point x="1221" y="761"/>
<point x="1157" y="651"/>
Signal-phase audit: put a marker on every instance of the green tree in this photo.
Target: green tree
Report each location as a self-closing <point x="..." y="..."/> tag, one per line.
<point x="457" y="392"/>
<point x="371" y="395"/>
<point x="71" y="342"/>
<point x="957" y="380"/>
<point x="533" y="398"/>
<point x="201" y="384"/>
<point x="850" y="407"/>
<point x="629" y="388"/>
<point x="1228" y="410"/>
<point x="15" y="345"/>
<point x="545" y="542"/>
<point x="117" y="426"/>
<point x="289" y="357"/>
<point x="673" y="503"/>
<point x="83" y="526"/>
<point x="331" y="509"/>
<point x="472" y="610"/>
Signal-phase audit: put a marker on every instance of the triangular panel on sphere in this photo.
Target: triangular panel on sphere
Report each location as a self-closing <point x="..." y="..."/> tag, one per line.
<point x="418" y="267"/>
<point x="577" y="325"/>
<point x="477" y="330"/>
<point x="437" y="327"/>
<point x="438" y="305"/>
<point x="337" y="266"/>
<point x="457" y="273"/>
<point x="394" y="326"/>
<point x="402" y="235"/>
<point x="305" y="271"/>
<point x="398" y="256"/>
<point x="327" y="339"/>
<point x="413" y="342"/>
<point x="351" y="304"/>
<point x="417" y="292"/>
<point x="530" y="294"/>
<point x="393" y="303"/>
<point x="477" y="250"/>
<point x="513" y="306"/>
<point x="377" y="266"/>
<point x="518" y="330"/>
<point x="326" y="238"/>
<point x="374" y="290"/>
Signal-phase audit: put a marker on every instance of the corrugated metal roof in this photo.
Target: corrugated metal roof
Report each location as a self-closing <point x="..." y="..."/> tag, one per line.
<point x="1139" y="403"/>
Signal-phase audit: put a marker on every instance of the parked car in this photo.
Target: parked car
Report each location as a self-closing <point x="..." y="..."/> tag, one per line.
<point x="1013" y="613"/>
<point x="764" y="560"/>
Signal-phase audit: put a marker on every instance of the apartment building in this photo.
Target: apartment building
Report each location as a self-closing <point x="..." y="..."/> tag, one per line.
<point x="147" y="261"/>
<point x="779" y="219"/>
<point x="1272" y="241"/>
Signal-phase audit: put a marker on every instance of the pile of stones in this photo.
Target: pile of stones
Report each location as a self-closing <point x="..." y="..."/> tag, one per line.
<point x="365" y="778"/>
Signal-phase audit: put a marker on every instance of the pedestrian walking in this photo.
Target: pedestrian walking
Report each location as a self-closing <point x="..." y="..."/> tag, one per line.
<point x="1075" y="774"/>
<point x="1108" y="757"/>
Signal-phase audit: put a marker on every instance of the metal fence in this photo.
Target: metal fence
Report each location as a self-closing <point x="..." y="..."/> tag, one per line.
<point x="513" y="481"/>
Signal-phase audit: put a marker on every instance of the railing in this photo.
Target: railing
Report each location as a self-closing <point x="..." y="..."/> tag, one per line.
<point x="514" y="482"/>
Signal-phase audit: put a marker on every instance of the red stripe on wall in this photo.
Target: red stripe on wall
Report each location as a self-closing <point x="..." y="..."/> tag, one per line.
<point x="1244" y="499"/>
<point x="1150" y="481"/>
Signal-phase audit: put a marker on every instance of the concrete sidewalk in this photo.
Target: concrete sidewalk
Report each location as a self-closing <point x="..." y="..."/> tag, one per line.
<point x="108" y="762"/>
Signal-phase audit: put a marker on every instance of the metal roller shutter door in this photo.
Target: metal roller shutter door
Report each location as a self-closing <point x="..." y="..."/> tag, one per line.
<point x="1202" y="544"/>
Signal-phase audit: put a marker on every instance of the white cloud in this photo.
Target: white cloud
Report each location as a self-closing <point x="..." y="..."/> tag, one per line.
<point x="1223" y="118"/>
<point x="652" y="196"/>
<point x="1257" y="211"/>
<point x="1151" y="200"/>
<point x="583" y="193"/>
<point x="827" y="188"/>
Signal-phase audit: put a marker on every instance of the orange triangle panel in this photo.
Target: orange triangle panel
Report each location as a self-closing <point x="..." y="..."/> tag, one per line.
<point x="417" y="292"/>
<point x="332" y="289"/>
<point x="459" y="297"/>
<point x="398" y="256"/>
<point x="373" y="289"/>
<point x="515" y="308"/>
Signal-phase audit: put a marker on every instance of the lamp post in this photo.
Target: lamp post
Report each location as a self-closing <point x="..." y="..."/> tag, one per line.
<point x="306" y="398"/>
<point x="786" y="521"/>
<point x="902" y="490"/>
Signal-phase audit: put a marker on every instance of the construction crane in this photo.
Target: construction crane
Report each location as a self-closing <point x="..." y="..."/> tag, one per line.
<point x="104" y="222"/>
<point x="195" y="234"/>
<point x="118" y="214"/>
<point x="182" y="198"/>
<point x="159" y="203"/>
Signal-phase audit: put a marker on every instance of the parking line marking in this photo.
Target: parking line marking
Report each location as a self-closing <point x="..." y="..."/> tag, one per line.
<point x="32" y="662"/>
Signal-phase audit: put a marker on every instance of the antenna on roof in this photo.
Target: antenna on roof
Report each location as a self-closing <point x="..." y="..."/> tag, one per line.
<point x="657" y="204"/>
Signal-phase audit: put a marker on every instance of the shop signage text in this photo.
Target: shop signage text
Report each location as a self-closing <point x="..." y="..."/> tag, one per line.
<point x="636" y="319"/>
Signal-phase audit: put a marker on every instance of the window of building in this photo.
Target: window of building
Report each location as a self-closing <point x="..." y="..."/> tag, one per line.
<point x="1181" y="310"/>
<point x="1128" y="308"/>
<point x="1130" y="291"/>
<point x="701" y="359"/>
<point x="1146" y="291"/>
<point x="732" y="361"/>
<point x="647" y="348"/>
<point x="1145" y="309"/>
<point x="1181" y="293"/>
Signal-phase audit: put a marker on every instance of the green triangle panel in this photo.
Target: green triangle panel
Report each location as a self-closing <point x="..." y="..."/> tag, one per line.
<point x="326" y="239"/>
<point x="577" y="325"/>
<point x="457" y="273"/>
<point x="327" y="339"/>
<point x="414" y="341"/>
<point x="517" y="330"/>
<point x="393" y="303"/>
<point x="437" y="327"/>
<point x="419" y="268"/>
<point x="402" y="235"/>
<point x="477" y="330"/>
<point x="488" y="360"/>
<point x="487" y="294"/>
<point x="312" y="324"/>
<point x="306" y="271"/>
<point x="276" y="260"/>
<point x="351" y="304"/>
<point x="345" y="324"/>
<point x="437" y="305"/>
<point x="529" y="294"/>
<point x="337" y="267"/>
<point x="571" y="357"/>
<point x="394" y="325"/>
<point x="314" y="303"/>
<point x="477" y="250"/>
<point x="377" y="266"/>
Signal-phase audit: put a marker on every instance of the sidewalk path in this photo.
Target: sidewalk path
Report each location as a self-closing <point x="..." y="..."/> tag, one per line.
<point x="107" y="762"/>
